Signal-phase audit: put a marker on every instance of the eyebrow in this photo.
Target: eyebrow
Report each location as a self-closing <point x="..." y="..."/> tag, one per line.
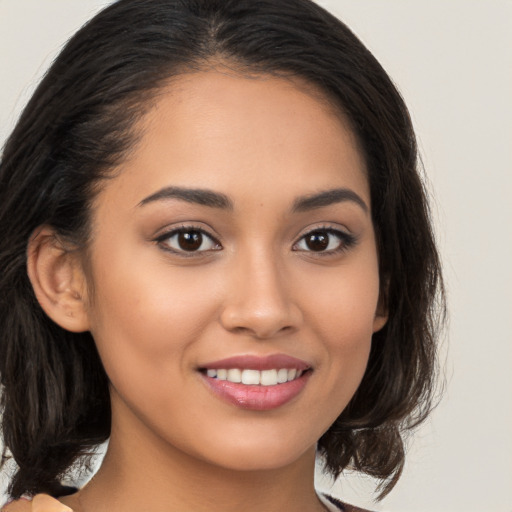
<point x="205" y="197"/>
<point x="327" y="198"/>
<point x="191" y="195"/>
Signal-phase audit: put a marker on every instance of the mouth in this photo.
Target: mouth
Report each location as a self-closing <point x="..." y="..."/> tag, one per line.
<point x="249" y="377"/>
<point x="257" y="383"/>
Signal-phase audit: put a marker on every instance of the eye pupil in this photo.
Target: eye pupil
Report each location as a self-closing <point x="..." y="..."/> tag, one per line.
<point x="190" y="240"/>
<point x="317" y="241"/>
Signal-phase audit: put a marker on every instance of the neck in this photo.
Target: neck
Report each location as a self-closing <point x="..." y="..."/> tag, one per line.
<point x="147" y="473"/>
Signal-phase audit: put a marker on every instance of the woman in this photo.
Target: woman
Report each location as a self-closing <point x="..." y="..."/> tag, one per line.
<point x="216" y="254"/>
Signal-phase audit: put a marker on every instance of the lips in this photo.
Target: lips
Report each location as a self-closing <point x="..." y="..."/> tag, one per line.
<point x="257" y="383"/>
<point x="258" y="362"/>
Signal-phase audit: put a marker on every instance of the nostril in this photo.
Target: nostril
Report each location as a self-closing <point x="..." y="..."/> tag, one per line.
<point x="261" y="333"/>
<point x="263" y="311"/>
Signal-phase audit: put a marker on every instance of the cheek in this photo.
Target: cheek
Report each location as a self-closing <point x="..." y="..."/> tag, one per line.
<point x="145" y="315"/>
<point x="343" y="304"/>
<point x="342" y="314"/>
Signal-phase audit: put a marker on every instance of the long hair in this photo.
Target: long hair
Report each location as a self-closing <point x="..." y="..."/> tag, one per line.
<point x="79" y="125"/>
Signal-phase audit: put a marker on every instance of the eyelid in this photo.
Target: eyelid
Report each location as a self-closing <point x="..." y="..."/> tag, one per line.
<point x="347" y="239"/>
<point x="183" y="228"/>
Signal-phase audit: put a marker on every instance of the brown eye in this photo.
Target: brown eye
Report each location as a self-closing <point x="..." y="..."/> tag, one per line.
<point x="188" y="240"/>
<point x="328" y="241"/>
<point x="317" y="241"/>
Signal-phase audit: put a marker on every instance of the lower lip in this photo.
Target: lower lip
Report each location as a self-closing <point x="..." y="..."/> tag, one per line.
<point x="257" y="398"/>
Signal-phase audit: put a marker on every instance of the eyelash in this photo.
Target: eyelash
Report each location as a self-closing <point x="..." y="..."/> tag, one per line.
<point x="346" y="241"/>
<point x="165" y="237"/>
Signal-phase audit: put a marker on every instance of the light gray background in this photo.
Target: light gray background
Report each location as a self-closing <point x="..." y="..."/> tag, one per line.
<point x="452" y="61"/>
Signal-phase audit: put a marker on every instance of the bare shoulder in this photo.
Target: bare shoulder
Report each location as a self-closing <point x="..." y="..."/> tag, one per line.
<point x="22" y="505"/>
<point x="40" y="503"/>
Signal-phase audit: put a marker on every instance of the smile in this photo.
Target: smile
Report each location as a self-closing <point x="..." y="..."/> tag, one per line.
<point x="249" y="377"/>
<point x="257" y="383"/>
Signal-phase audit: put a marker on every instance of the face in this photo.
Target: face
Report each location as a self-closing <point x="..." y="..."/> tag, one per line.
<point x="235" y="272"/>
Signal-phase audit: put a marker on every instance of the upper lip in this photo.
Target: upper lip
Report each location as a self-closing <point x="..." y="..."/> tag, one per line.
<point x="253" y="362"/>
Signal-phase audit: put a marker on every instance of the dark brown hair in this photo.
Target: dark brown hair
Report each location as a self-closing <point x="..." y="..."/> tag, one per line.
<point x="79" y="125"/>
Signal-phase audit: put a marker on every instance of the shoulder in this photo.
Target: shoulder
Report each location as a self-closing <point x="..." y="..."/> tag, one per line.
<point x="40" y="503"/>
<point x="20" y="505"/>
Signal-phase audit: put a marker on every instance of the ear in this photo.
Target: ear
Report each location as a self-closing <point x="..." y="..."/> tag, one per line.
<point x="379" y="321"/>
<point x="382" y="312"/>
<point x="58" y="279"/>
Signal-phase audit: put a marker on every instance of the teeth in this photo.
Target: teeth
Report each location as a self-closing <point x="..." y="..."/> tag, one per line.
<point x="251" y="377"/>
<point x="255" y="377"/>
<point x="269" y="377"/>
<point x="282" y="375"/>
<point x="234" y="375"/>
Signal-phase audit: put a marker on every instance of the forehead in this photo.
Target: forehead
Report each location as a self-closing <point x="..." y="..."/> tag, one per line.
<point x="218" y="130"/>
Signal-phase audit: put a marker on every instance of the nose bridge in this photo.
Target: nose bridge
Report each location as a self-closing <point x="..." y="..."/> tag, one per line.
<point x="259" y="301"/>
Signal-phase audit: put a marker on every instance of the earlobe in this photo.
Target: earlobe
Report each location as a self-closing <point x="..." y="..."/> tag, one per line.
<point x="382" y="313"/>
<point x="58" y="280"/>
<point x="379" y="321"/>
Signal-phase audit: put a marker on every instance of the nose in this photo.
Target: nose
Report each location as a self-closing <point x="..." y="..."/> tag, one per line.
<point x="259" y="301"/>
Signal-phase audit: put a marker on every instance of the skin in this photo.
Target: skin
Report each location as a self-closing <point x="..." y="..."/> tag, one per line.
<point x="158" y="313"/>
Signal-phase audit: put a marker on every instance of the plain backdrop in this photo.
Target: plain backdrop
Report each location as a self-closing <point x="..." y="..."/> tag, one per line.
<point x="452" y="61"/>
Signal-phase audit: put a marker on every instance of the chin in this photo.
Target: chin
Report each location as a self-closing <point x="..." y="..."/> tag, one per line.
<point x="256" y="455"/>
